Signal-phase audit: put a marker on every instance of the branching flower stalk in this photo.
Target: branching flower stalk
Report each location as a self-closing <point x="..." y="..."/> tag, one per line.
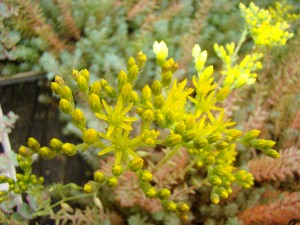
<point x="190" y="118"/>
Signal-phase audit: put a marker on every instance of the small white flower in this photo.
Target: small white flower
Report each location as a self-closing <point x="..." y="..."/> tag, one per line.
<point x="160" y="50"/>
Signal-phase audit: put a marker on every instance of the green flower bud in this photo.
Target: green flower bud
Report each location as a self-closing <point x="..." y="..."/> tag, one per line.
<point x="241" y="81"/>
<point x="112" y="182"/>
<point x="117" y="170"/>
<point x="33" y="144"/>
<point x="136" y="164"/>
<point x="95" y="103"/>
<point x="122" y="79"/>
<point x="99" y="177"/>
<point x="88" y="188"/>
<point x="140" y="111"/>
<point x="215" y="180"/>
<point x="90" y="136"/>
<point x="151" y="192"/>
<point x="133" y="73"/>
<point x="160" y="119"/>
<point x="234" y="133"/>
<point x="165" y="67"/>
<point x="75" y="74"/>
<point x="130" y="63"/>
<point x="156" y="88"/>
<point x="78" y="119"/>
<point x="209" y="159"/>
<point x="56" y="88"/>
<point x="85" y="73"/>
<point x="134" y="97"/>
<point x="215" y="198"/>
<point x="56" y="144"/>
<point x="148" y="116"/>
<point x="190" y="123"/>
<point x="188" y="135"/>
<point x="223" y="93"/>
<point x="110" y="91"/>
<point x="159" y="101"/>
<point x="25" y="152"/>
<point x="170" y="118"/>
<point x="126" y="92"/>
<point x="3" y="178"/>
<point x="59" y="80"/>
<point x="166" y="79"/>
<point x="164" y="194"/>
<point x="180" y="128"/>
<point x="141" y="59"/>
<point x="82" y="84"/>
<point x="46" y="153"/>
<point x="95" y="88"/>
<point x="249" y="136"/>
<point x="69" y="149"/>
<point x="169" y="206"/>
<point x="213" y="137"/>
<point x="199" y="164"/>
<point x="146" y="94"/>
<point x="103" y="83"/>
<point x="66" y="93"/>
<point x="272" y="153"/>
<point x="146" y="176"/>
<point x="220" y="145"/>
<point x="222" y="192"/>
<point x="200" y="143"/>
<point x="262" y="144"/>
<point x="65" y="106"/>
<point x="182" y="207"/>
<point x="173" y="140"/>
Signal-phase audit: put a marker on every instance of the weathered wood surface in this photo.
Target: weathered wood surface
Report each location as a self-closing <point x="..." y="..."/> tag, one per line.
<point x="40" y="121"/>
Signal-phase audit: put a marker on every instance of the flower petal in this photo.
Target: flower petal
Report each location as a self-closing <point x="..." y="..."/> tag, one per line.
<point x="106" y="150"/>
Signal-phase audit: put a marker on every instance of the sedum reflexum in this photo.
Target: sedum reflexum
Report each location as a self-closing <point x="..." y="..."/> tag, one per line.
<point x="178" y="115"/>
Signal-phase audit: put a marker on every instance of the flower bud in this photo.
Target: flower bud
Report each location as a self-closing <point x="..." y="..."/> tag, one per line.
<point x="141" y="59"/>
<point x="180" y="128"/>
<point x="262" y="144"/>
<point x="56" y="144"/>
<point x="159" y="101"/>
<point x="82" y="84"/>
<point x="234" y="133"/>
<point x="90" y="136"/>
<point x="156" y="88"/>
<point x="65" y="106"/>
<point x="173" y="140"/>
<point x="69" y="149"/>
<point x="146" y="176"/>
<point x="182" y="207"/>
<point x="241" y="81"/>
<point x="188" y="135"/>
<point x="55" y="88"/>
<point x="213" y="137"/>
<point x="112" y="182"/>
<point x="136" y="164"/>
<point x="209" y="159"/>
<point x="169" y="206"/>
<point x="215" y="198"/>
<point x="88" y="188"/>
<point x="220" y="145"/>
<point x="146" y="94"/>
<point x="66" y="93"/>
<point x="148" y="116"/>
<point x="24" y="151"/>
<point x="126" y="92"/>
<point x="223" y="93"/>
<point x="130" y="63"/>
<point x="134" y="97"/>
<point x="59" y="80"/>
<point x="165" y="67"/>
<point x="122" y="79"/>
<point x="103" y="83"/>
<point x="174" y="67"/>
<point x="46" y="153"/>
<point x="166" y="79"/>
<point x="249" y="136"/>
<point x="190" y="123"/>
<point x="164" y="194"/>
<point x="85" y="73"/>
<point x="200" y="143"/>
<point x="78" y="119"/>
<point x="222" y="192"/>
<point x="33" y="144"/>
<point x="215" y="180"/>
<point x="95" y="103"/>
<point x="170" y="117"/>
<point x="110" y="91"/>
<point x="160" y="119"/>
<point x="272" y="153"/>
<point x="117" y="170"/>
<point x="95" y="88"/>
<point x="99" y="177"/>
<point x="75" y="74"/>
<point x="150" y="192"/>
<point x="133" y="73"/>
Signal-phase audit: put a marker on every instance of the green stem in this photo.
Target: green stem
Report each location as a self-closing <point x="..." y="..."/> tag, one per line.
<point x="240" y="43"/>
<point x="168" y="156"/>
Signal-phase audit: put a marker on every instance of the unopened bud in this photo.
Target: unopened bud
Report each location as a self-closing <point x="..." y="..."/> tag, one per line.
<point x="180" y="128"/>
<point x="78" y="119"/>
<point x="223" y="93"/>
<point x="75" y="74"/>
<point x="141" y="59"/>
<point x="215" y="198"/>
<point x="126" y="92"/>
<point x="136" y="164"/>
<point x="95" y="88"/>
<point x="213" y="137"/>
<point x="103" y="83"/>
<point x="122" y="79"/>
<point x="90" y="136"/>
<point x="69" y="149"/>
<point x="95" y="103"/>
<point x="164" y="194"/>
<point x="56" y="144"/>
<point x="160" y="119"/>
<point x="146" y="94"/>
<point x="262" y="144"/>
<point x="148" y="116"/>
<point x="170" y="118"/>
<point x="33" y="144"/>
<point x="165" y="67"/>
<point x="24" y="151"/>
<point x="215" y="180"/>
<point x="66" y="93"/>
<point x="150" y="192"/>
<point x="133" y="73"/>
<point x="82" y="84"/>
<point x="85" y="73"/>
<point x="88" y="188"/>
<point x="59" y="80"/>
<point x="65" y="106"/>
<point x="156" y="88"/>
<point x="55" y="88"/>
<point x="169" y="206"/>
<point x="46" y="153"/>
<point x="173" y="140"/>
<point x="146" y="176"/>
<point x="110" y="91"/>
<point x="112" y="182"/>
<point x="222" y="192"/>
<point x="117" y="170"/>
<point x="159" y="101"/>
<point x="130" y="63"/>
<point x="99" y="177"/>
<point x="166" y="79"/>
<point x="174" y="67"/>
<point x="272" y="153"/>
<point x="249" y="136"/>
<point x="182" y="207"/>
<point x="200" y="143"/>
<point x="134" y="97"/>
<point x="190" y="123"/>
<point x="220" y="145"/>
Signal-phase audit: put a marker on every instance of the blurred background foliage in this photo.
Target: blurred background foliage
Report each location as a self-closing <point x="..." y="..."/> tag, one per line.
<point x="54" y="36"/>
